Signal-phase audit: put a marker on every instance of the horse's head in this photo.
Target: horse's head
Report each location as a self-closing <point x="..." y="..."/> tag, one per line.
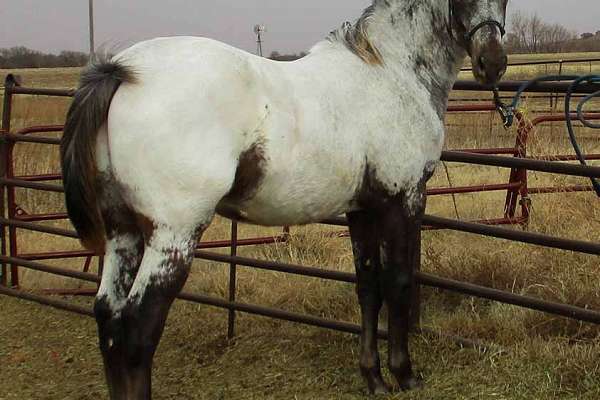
<point x="479" y="26"/>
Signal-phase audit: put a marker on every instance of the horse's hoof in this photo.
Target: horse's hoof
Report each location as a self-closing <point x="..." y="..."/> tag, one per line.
<point x="380" y="389"/>
<point x="374" y="381"/>
<point x="377" y="386"/>
<point x="410" y="383"/>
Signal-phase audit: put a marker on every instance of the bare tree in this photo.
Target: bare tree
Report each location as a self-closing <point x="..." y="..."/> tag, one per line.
<point x="529" y="34"/>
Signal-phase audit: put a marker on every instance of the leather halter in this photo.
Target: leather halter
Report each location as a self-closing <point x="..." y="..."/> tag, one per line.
<point x="468" y="36"/>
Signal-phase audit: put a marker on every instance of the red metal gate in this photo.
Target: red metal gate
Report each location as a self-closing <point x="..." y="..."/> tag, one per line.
<point x="14" y="218"/>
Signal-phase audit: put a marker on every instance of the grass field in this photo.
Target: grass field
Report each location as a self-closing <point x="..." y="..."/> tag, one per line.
<point x="48" y="354"/>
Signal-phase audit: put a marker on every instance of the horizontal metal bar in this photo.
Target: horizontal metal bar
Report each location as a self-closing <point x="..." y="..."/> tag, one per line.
<point x="69" y="273"/>
<point x="563" y="310"/>
<point x="39" y="177"/>
<point x="515" y="162"/>
<point x="473" y="189"/>
<point x="59" y="304"/>
<point x="546" y="62"/>
<point x="278" y="267"/>
<point x="68" y="292"/>
<point x="20" y="183"/>
<point x="558" y="189"/>
<point x="530" y="97"/>
<point x="241" y="307"/>
<point x="31" y="139"/>
<point x="39" y="92"/>
<point x="514" y="235"/>
<point x="564" y="157"/>
<point x="242" y="242"/>
<point x="40" y="129"/>
<point x="465" y="85"/>
<point x="41" y="217"/>
<point x="484" y="229"/>
<point x="561" y="117"/>
<point x="55" y="255"/>
<point x="462" y="108"/>
<point x="341" y="221"/>
<point x="272" y="313"/>
<point x="540" y="87"/>
<point x="498" y="150"/>
<point x="72" y="234"/>
<point x="38" y="228"/>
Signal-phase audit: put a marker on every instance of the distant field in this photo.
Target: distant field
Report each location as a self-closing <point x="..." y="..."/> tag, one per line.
<point x="542" y="357"/>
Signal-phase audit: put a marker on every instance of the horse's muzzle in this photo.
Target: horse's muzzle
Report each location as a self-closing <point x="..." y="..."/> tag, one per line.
<point x="489" y="61"/>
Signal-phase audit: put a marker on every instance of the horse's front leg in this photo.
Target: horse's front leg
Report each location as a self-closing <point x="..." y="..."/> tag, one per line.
<point x="400" y="248"/>
<point x="365" y="247"/>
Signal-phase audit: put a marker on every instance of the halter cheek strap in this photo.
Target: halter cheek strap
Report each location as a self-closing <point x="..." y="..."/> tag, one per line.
<point x="492" y="22"/>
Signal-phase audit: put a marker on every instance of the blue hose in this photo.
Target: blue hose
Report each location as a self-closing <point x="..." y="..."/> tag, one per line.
<point x="508" y="112"/>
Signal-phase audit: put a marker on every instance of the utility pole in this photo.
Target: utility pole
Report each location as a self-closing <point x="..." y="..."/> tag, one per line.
<point x="92" y="48"/>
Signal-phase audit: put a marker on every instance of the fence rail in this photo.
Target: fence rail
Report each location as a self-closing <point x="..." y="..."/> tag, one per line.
<point x="559" y="62"/>
<point x="518" y="162"/>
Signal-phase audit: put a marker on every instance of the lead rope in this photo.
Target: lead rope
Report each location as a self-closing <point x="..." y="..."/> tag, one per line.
<point x="507" y="112"/>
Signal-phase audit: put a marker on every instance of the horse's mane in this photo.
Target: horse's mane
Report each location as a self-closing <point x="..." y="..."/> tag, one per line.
<point x="356" y="38"/>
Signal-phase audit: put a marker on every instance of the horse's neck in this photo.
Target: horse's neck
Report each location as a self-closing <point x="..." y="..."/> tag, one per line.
<point x="412" y="36"/>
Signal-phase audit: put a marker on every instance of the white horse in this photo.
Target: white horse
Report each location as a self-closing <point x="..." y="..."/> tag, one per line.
<point x="173" y="130"/>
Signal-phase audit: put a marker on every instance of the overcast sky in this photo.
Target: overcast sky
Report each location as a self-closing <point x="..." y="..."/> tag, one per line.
<point x="293" y="26"/>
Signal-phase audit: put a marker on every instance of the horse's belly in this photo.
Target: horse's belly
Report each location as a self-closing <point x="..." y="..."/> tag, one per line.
<point x="296" y="200"/>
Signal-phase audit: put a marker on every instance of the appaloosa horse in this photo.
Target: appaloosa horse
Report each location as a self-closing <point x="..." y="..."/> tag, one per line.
<point x="174" y="130"/>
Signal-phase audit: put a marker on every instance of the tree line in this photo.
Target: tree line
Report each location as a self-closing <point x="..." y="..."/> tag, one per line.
<point x="530" y="34"/>
<point x="22" y="57"/>
<point x="527" y="34"/>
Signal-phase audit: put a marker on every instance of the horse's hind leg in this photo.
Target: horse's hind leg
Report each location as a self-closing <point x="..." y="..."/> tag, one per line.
<point x="366" y="258"/>
<point x="168" y="255"/>
<point x="124" y="250"/>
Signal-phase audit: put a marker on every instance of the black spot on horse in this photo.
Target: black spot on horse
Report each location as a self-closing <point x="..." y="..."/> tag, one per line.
<point x="421" y="62"/>
<point x="411" y="8"/>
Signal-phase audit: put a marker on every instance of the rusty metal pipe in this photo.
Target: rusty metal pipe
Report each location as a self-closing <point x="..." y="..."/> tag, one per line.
<point x="531" y="165"/>
<point x="38" y="228"/>
<point x="20" y="183"/>
<point x="514" y="235"/>
<point x="69" y="273"/>
<point x="11" y="137"/>
<point x="61" y="305"/>
<point x="564" y="310"/>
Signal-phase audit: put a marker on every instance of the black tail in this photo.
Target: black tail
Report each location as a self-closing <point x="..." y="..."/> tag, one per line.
<point x="88" y="112"/>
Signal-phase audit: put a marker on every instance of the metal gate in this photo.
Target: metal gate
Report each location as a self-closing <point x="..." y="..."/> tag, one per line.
<point x="516" y="211"/>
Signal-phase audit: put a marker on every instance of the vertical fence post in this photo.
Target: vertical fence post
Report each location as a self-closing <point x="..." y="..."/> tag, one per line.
<point x="9" y="84"/>
<point x="232" y="279"/>
<point x="560" y="71"/>
<point x="11" y="193"/>
<point x="286" y="232"/>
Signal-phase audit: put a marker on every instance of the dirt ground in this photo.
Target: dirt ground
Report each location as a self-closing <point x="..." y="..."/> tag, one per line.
<point x="50" y="354"/>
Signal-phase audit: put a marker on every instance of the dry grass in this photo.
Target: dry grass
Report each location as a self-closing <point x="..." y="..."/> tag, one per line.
<point x="547" y="357"/>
